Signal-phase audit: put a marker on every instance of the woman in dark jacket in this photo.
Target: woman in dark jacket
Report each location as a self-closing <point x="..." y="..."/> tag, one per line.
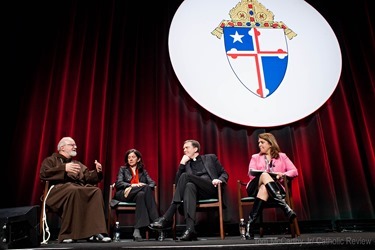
<point x="135" y="185"/>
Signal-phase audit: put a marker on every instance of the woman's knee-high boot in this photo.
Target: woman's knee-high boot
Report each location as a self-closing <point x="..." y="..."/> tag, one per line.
<point x="254" y="214"/>
<point x="274" y="192"/>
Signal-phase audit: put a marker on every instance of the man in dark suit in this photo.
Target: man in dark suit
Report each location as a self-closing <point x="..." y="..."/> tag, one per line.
<point x="197" y="178"/>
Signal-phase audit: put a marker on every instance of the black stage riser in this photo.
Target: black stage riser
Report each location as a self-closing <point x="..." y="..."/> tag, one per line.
<point x="19" y="227"/>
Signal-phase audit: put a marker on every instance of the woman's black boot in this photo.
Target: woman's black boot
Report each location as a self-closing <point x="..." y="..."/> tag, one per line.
<point x="274" y="192"/>
<point x="254" y="214"/>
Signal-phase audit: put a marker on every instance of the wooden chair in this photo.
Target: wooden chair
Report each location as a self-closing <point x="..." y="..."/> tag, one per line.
<point x="244" y="200"/>
<point x="123" y="207"/>
<point x="206" y="205"/>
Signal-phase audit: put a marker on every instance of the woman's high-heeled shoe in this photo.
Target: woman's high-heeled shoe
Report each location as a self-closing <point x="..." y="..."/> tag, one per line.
<point x="254" y="214"/>
<point x="274" y="192"/>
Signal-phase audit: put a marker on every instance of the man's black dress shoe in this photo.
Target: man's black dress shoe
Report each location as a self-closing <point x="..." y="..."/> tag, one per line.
<point x="137" y="238"/>
<point x="100" y="238"/>
<point x="188" y="236"/>
<point x="161" y="223"/>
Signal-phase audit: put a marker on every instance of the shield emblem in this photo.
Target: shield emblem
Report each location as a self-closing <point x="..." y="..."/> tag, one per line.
<point x="257" y="56"/>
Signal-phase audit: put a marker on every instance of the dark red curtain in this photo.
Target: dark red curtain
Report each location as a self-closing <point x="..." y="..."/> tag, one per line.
<point x="99" y="71"/>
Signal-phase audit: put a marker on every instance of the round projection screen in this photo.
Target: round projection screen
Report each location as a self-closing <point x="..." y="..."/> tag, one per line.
<point x="256" y="63"/>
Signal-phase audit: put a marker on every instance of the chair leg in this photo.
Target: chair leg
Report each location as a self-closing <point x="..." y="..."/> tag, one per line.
<point x="109" y="221"/>
<point x="296" y="228"/>
<point x="113" y="221"/>
<point x="222" y="236"/>
<point x="292" y="230"/>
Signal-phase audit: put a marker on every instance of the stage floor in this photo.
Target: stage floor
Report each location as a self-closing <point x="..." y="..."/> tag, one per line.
<point x="332" y="240"/>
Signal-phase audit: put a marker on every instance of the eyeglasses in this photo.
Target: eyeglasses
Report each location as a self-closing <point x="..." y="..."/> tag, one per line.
<point x="71" y="144"/>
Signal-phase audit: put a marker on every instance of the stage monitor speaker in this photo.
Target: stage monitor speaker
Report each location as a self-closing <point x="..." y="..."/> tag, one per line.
<point x="19" y="227"/>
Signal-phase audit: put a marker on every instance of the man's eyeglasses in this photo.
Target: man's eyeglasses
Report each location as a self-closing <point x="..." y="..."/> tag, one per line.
<point x="71" y="144"/>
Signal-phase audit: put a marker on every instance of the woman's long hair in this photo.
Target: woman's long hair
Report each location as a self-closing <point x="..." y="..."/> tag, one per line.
<point x="270" y="138"/>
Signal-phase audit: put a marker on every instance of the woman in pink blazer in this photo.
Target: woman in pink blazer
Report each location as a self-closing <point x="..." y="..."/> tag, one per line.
<point x="265" y="171"/>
